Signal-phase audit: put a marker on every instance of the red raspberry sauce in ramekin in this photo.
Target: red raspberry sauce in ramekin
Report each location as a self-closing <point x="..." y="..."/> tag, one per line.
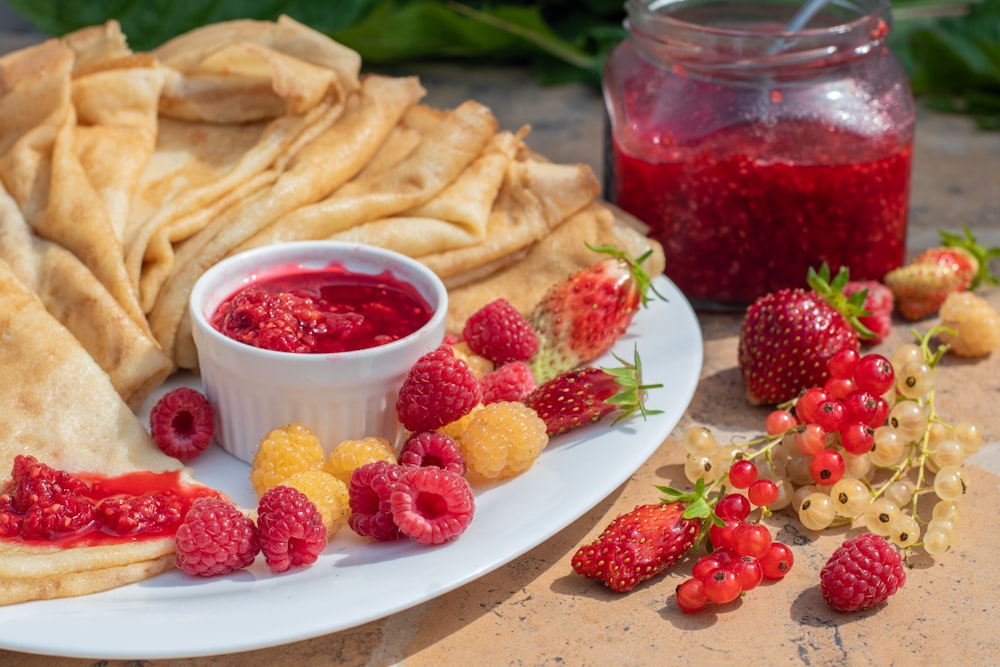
<point x="321" y="311"/>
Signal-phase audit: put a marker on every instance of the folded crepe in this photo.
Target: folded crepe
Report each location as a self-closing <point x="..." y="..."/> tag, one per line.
<point x="456" y="217"/>
<point x="59" y="407"/>
<point x="240" y="100"/>
<point x="126" y="352"/>
<point x="116" y="96"/>
<point x="42" y="170"/>
<point x="72" y="159"/>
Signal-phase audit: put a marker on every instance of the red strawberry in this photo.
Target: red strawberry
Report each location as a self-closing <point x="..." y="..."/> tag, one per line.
<point x="920" y="289"/>
<point x="499" y="332"/>
<point x="787" y="337"/>
<point x="959" y="264"/>
<point x="638" y="545"/>
<point x="580" y="318"/>
<point x="583" y="395"/>
<point x="879" y="302"/>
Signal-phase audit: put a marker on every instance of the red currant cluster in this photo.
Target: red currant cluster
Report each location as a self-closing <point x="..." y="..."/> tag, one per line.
<point x="847" y="409"/>
<point x="743" y="552"/>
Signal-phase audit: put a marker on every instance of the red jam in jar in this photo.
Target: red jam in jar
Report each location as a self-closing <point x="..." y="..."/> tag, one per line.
<point x="319" y="311"/>
<point x="754" y="155"/>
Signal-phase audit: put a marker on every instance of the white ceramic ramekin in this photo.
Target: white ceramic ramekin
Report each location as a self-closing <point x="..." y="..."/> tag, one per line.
<point x="339" y="396"/>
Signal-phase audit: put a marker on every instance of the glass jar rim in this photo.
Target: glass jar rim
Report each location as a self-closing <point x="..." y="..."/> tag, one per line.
<point x="666" y="31"/>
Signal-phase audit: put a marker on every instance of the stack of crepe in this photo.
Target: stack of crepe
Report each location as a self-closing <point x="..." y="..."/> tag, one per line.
<point x="124" y="175"/>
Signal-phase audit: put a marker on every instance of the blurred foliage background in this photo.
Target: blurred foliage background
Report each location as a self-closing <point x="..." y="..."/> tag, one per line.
<point x="950" y="48"/>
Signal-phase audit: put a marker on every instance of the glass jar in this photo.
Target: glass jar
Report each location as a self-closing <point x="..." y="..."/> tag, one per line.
<point x="754" y="154"/>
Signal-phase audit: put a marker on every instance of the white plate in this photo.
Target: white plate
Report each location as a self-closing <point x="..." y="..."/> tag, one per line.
<point x="356" y="581"/>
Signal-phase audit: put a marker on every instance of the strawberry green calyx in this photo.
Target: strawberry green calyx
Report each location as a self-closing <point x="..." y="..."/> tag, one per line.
<point x="982" y="256"/>
<point x="851" y="307"/>
<point x="696" y="502"/>
<point x="631" y="397"/>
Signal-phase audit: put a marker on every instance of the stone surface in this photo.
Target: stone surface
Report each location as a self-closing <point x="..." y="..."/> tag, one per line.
<point x="535" y="611"/>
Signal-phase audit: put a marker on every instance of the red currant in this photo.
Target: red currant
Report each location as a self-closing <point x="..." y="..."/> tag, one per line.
<point x="751" y="539"/>
<point x="749" y="570"/>
<point x="839" y="388"/>
<point x="874" y="373"/>
<point x="857" y="438"/>
<point x="830" y="415"/>
<point x="805" y="406"/>
<point x="763" y="492"/>
<point x="827" y="467"/>
<point x="861" y="406"/>
<point x="722" y="585"/>
<point x="725" y="556"/>
<point x="842" y="363"/>
<point x="809" y="439"/>
<point x="690" y="596"/>
<point x="733" y="506"/>
<point x="742" y="474"/>
<point x="777" y="561"/>
<point x="779" y="421"/>
<point x="882" y="409"/>
<point x="722" y="536"/>
<point x="711" y="562"/>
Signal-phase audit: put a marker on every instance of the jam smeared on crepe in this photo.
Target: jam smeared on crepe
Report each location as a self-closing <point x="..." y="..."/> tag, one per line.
<point x="43" y="505"/>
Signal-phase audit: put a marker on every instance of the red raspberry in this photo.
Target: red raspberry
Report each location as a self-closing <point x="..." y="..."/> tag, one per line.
<point x="215" y="538"/>
<point x="511" y="382"/>
<point x="499" y="332"/>
<point x="33" y="482"/>
<point x="429" y="448"/>
<point x="182" y="423"/>
<point x="291" y="529"/>
<point x="431" y="505"/>
<point x="879" y="302"/>
<point x="42" y="502"/>
<point x="10" y="518"/>
<point x="861" y="573"/>
<point x="149" y="513"/>
<point x="368" y="496"/>
<point x="65" y="514"/>
<point x="437" y="390"/>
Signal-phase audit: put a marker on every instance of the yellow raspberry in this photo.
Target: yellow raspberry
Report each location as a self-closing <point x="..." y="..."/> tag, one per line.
<point x="975" y="322"/>
<point x="282" y="453"/>
<point x="503" y="440"/>
<point x="455" y="429"/>
<point x="328" y="493"/>
<point x="351" y="454"/>
<point x="479" y="366"/>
